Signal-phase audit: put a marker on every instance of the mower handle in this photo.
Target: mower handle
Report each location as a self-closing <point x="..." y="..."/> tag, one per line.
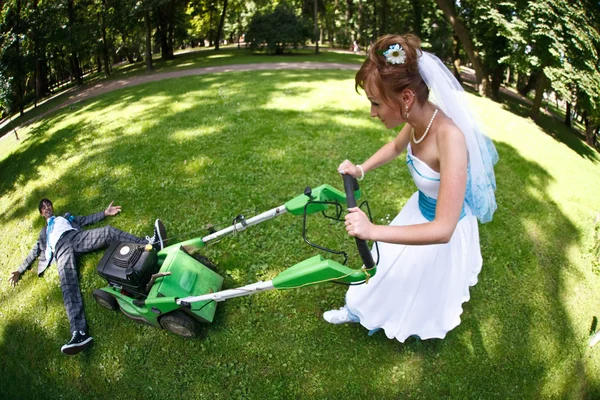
<point x="351" y="185"/>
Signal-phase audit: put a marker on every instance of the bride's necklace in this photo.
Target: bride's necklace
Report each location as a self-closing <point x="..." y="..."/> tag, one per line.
<point x="412" y="131"/>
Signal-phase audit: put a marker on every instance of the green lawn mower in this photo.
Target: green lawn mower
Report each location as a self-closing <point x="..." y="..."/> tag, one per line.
<point x="176" y="289"/>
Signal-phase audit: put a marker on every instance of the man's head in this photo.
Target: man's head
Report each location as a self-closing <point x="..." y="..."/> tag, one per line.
<point x="46" y="209"/>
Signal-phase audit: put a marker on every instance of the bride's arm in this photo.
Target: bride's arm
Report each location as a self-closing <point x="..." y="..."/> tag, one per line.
<point x="452" y="151"/>
<point x="389" y="151"/>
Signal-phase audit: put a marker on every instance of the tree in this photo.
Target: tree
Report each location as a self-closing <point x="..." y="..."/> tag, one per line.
<point x="12" y="57"/>
<point x="73" y="42"/>
<point x="221" y="23"/>
<point x="170" y="17"/>
<point x="148" y="30"/>
<point x="558" y="41"/>
<point x="316" y="21"/>
<point x="39" y="36"/>
<point x="488" y="23"/>
<point x="277" y="30"/>
<point x="481" y="75"/>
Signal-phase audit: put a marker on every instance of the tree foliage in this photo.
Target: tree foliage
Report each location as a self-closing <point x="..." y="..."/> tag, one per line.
<point x="276" y="30"/>
<point x="542" y="45"/>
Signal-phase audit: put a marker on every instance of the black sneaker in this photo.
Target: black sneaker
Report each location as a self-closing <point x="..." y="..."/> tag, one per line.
<point x="159" y="239"/>
<point x="80" y="341"/>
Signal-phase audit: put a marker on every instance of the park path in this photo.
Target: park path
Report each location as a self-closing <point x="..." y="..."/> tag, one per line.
<point x="96" y="89"/>
<point x="99" y="88"/>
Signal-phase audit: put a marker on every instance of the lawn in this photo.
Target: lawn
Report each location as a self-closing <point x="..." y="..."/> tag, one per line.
<point x="200" y="150"/>
<point x="190" y="59"/>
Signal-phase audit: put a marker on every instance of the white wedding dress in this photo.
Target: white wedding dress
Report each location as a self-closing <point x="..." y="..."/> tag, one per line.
<point x="419" y="290"/>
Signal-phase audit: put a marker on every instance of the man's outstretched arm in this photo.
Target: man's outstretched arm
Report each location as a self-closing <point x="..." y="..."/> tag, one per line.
<point x="99" y="216"/>
<point x="25" y="265"/>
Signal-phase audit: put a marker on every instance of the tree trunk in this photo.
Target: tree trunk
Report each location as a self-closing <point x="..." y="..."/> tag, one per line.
<point x="41" y="78"/>
<point x="532" y="82"/>
<point x="75" y="69"/>
<point x="162" y="31"/>
<point x="170" y="28"/>
<point x="221" y="23"/>
<point x="349" y="34"/>
<point x="374" y="24"/>
<point x="483" y="86"/>
<point x="360" y="24"/>
<point x="534" y="113"/>
<point x="41" y="65"/>
<point x="239" y="27"/>
<point x="497" y="77"/>
<point x="19" y="76"/>
<point x="148" y="39"/>
<point x="417" y="17"/>
<point x="210" y="27"/>
<point x="590" y="130"/>
<point x="316" y="28"/>
<point x="74" y="61"/>
<point x="104" y="44"/>
<point x="383" y="21"/>
<point x="456" y="60"/>
<point x="128" y="55"/>
<point x="170" y="38"/>
<point x="568" y="115"/>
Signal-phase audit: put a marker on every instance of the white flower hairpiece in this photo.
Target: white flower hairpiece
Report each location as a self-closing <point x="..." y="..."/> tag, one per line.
<point x="395" y="54"/>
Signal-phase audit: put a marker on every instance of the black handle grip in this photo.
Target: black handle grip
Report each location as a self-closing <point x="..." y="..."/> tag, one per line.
<point x="350" y="185"/>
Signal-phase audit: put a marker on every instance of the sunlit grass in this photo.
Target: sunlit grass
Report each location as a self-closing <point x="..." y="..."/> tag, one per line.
<point x="194" y="58"/>
<point x="200" y="150"/>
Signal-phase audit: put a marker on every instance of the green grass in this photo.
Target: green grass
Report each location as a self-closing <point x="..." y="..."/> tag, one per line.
<point x="194" y="58"/>
<point x="204" y="149"/>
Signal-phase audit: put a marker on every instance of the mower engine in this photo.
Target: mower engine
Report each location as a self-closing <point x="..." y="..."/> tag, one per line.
<point x="128" y="265"/>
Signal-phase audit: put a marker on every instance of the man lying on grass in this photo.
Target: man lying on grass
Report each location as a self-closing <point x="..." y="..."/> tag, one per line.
<point x="62" y="240"/>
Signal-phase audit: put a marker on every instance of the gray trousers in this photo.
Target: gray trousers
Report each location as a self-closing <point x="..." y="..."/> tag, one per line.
<point x="71" y="245"/>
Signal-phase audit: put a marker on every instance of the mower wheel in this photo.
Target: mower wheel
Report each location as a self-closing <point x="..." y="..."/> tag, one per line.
<point x="106" y="300"/>
<point x="180" y="323"/>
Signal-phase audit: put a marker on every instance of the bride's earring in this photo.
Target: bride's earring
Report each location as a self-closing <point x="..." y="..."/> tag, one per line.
<point x="406" y="113"/>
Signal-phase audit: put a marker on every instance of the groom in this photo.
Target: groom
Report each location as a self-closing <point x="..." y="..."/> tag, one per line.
<point x="62" y="239"/>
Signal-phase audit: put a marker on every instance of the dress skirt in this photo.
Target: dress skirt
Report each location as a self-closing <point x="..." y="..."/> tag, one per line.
<point x="419" y="290"/>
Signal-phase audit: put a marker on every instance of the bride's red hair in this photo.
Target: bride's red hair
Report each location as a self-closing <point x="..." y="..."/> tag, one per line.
<point x="392" y="79"/>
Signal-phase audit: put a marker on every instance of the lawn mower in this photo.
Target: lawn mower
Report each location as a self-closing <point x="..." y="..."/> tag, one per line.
<point x="176" y="289"/>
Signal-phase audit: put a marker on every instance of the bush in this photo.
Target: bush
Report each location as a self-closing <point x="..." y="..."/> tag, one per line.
<point x="277" y="30"/>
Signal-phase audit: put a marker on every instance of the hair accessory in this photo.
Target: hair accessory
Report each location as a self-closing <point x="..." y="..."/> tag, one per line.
<point x="395" y="54"/>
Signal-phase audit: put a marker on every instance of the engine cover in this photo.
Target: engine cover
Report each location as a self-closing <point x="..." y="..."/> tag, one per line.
<point x="128" y="264"/>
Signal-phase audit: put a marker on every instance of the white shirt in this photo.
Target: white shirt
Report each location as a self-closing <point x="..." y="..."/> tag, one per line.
<point x="60" y="226"/>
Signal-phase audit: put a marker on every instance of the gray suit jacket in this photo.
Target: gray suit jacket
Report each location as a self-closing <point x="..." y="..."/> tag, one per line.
<point x="39" y="248"/>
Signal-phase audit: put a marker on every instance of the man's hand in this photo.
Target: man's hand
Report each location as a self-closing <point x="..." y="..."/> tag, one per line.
<point x="14" y="278"/>
<point x="112" y="210"/>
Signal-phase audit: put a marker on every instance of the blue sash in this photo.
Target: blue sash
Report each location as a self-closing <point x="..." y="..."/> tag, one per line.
<point x="427" y="206"/>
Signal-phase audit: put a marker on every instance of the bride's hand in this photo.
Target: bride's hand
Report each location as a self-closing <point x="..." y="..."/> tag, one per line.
<point x="358" y="224"/>
<point x="348" y="168"/>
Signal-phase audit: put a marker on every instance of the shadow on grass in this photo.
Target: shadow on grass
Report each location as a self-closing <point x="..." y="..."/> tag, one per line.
<point x="248" y="147"/>
<point x="27" y="351"/>
<point x="552" y="126"/>
<point x="193" y="59"/>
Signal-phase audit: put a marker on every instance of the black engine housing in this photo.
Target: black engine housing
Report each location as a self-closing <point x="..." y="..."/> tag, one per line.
<point x="129" y="265"/>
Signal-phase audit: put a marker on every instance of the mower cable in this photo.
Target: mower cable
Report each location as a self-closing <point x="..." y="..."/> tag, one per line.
<point x="207" y="303"/>
<point x="240" y="216"/>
